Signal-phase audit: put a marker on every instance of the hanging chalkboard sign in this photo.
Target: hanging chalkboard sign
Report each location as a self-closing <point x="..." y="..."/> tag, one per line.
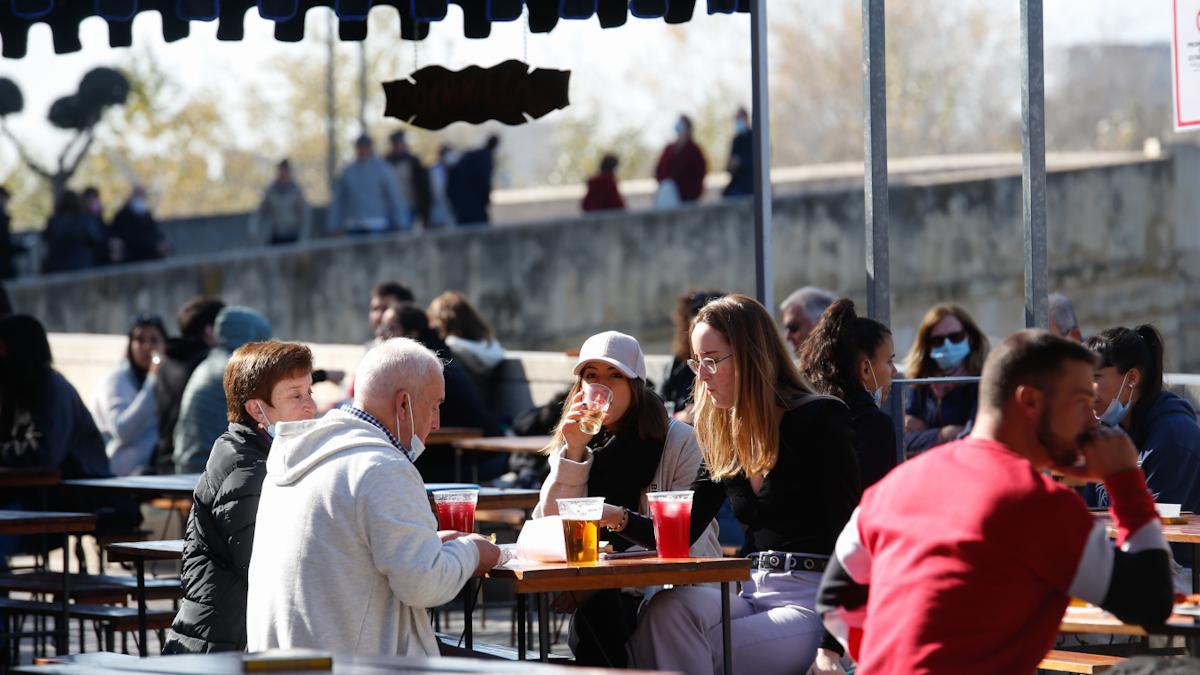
<point x="510" y="92"/>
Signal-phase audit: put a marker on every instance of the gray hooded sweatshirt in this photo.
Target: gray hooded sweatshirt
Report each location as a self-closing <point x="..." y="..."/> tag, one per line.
<point x="346" y="552"/>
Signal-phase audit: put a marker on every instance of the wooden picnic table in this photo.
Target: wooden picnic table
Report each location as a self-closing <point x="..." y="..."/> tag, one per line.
<point x="541" y="579"/>
<point x="1177" y="533"/>
<point x="28" y="477"/>
<point x="47" y="522"/>
<point x="510" y="444"/>
<point x="1092" y="619"/>
<point x="448" y="435"/>
<point x="177" y="486"/>
<point x="229" y="663"/>
<point x="138" y="552"/>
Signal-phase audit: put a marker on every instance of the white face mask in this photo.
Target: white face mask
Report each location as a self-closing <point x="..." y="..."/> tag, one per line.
<point x="415" y="445"/>
<point x="877" y="392"/>
<point x="270" y="427"/>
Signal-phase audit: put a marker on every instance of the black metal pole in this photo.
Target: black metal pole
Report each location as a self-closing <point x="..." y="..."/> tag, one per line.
<point x="521" y="617"/>
<point x="543" y="607"/>
<point x="764" y="270"/>
<point x="875" y="173"/>
<point x="141" y="600"/>
<point x="1033" y="165"/>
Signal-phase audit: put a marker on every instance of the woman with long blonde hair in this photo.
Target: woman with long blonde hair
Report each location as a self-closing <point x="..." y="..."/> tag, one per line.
<point x="782" y="456"/>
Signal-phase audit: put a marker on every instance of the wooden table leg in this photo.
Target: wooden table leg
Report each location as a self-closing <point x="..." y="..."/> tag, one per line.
<point x="521" y="609"/>
<point x="543" y="604"/>
<point x="1196" y="568"/>
<point x="726" y="637"/>
<point x="141" y="600"/>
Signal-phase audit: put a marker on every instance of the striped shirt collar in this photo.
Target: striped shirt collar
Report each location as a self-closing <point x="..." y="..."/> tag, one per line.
<point x="368" y="417"/>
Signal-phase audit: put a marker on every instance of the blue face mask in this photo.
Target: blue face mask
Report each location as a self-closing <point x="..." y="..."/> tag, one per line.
<point x="270" y="427"/>
<point x="1117" y="411"/>
<point x="951" y="354"/>
<point x="740" y="126"/>
<point x="877" y="392"/>
<point x="680" y="128"/>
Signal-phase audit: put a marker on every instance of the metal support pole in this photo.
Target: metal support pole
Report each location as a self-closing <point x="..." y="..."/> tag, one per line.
<point x="875" y="173"/>
<point x="764" y="279"/>
<point x="1033" y="165"/>
<point x="330" y="106"/>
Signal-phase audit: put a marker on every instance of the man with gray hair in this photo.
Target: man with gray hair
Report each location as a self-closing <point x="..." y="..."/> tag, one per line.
<point x="801" y="310"/>
<point x="1062" y="318"/>
<point x="347" y="556"/>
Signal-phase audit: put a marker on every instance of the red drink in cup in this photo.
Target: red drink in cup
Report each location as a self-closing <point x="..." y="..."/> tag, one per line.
<point x="672" y="514"/>
<point x="456" y="509"/>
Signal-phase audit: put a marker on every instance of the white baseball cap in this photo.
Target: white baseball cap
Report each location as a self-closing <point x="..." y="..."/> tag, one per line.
<point x="616" y="349"/>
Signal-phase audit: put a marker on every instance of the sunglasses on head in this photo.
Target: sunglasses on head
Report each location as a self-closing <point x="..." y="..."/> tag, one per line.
<point x="939" y="340"/>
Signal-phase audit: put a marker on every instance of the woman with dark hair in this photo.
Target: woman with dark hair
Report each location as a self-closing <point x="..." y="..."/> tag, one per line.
<point x="1130" y="394"/>
<point x="949" y="344"/>
<point x="676" y="388"/>
<point x="44" y="423"/>
<point x="468" y="336"/>
<point x="126" y="407"/>
<point x="638" y="450"/>
<point x="782" y="455"/>
<point x="853" y="358"/>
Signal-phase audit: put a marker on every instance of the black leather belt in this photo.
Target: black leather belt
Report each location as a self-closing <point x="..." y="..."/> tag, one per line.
<point x="778" y="561"/>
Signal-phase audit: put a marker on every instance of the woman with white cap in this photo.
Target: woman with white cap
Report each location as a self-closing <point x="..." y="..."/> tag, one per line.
<point x="637" y="450"/>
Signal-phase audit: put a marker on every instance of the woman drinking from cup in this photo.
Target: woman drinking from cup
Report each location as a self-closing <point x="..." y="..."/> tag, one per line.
<point x="615" y="441"/>
<point x="782" y="455"/>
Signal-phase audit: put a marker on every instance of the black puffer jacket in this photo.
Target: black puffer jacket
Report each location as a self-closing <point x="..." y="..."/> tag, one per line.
<point x="216" y="553"/>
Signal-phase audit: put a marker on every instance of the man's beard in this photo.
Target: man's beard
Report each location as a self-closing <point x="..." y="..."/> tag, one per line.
<point x="1062" y="452"/>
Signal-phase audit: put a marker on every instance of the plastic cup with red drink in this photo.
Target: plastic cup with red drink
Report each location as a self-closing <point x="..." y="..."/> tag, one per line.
<point x="672" y="515"/>
<point x="456" y="509"/>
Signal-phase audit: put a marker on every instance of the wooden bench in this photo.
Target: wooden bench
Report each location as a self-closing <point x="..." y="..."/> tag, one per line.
<point x="1061" y="661"/>
<point x="114" y="619"/>
<point x="449" y="646"/>
<point x="92" y="588"/>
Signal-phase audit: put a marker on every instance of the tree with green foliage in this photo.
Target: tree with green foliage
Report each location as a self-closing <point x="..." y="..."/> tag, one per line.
<point x="81" y="112"/>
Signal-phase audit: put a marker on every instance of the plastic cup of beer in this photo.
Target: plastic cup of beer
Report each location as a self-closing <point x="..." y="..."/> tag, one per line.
<point x="596" y="398"/>
<point x="581" y="528"/>
<point x="456" y="509"/>
<point x="672" y="515"/>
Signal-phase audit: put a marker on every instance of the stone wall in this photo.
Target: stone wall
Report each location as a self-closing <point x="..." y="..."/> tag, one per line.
<point x="1124" y="244"/>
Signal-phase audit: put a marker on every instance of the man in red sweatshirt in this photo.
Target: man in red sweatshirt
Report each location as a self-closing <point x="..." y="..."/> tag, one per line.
<point x="965" y="558"/>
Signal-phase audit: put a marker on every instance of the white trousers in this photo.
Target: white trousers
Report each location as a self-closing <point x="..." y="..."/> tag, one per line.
<point x="774" y="627"/>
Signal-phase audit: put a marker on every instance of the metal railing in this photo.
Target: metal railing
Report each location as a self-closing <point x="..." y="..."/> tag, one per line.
<point x="896" y="403"/>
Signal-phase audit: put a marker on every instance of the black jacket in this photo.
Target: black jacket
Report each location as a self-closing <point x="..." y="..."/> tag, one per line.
<point x="216" y="552"/>
<point x="873" y="436"/>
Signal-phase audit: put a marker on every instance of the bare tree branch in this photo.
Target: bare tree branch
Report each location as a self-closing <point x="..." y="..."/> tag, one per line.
<point x="68" y="172"/>
<point x="25" y="156"/>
